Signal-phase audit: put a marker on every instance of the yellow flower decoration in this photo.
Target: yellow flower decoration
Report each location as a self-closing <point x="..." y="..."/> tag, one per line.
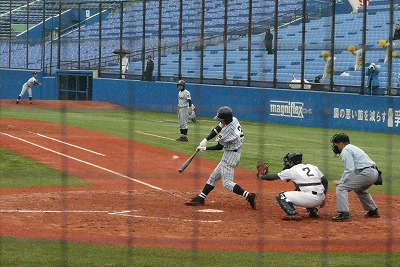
<point x="382" y="43"/>
<point x="394" y="55"/>
<point x="351" y="48"/>
<point x="325" y="54"/>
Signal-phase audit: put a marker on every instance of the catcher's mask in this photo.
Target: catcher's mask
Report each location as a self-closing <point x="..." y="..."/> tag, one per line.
<point x="181" y="82"/>
<point x="339" y="138"/>
<point x="224" y="114"/>
<point x="294" y="157"/>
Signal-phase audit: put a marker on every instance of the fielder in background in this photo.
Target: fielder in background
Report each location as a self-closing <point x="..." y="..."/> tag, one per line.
<point x="360" y="172"/>
<point x="230" y="137"/>
<point x="184" y="110"/>
<point x="27" y="87"/>
<point x="125" y="65"/>
<point x="311" y="186"/>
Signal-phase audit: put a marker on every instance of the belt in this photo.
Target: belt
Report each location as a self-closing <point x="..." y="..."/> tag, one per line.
<point x="234" y="150"/>
<point x="309" y="184"/>
<point x="372" y="167"/>
<point x="313" y="192"/>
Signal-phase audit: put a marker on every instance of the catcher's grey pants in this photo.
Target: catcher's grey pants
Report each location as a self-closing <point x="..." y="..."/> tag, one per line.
<point x="183" y="114"/>
<point x="225" y="170"/>
<point x="359" y="182"/>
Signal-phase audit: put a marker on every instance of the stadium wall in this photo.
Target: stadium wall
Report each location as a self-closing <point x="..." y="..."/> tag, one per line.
<point x="294" y="107"/>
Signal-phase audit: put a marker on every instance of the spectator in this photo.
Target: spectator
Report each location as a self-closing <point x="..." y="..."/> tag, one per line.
<point x="373" y="79"/>
<point x="388" y="52"/>
<point x="359" y="56"/>
<point x="396" y="35"/>
<point x="329" y="62"/>
<point x="125" y="64"/>
<point x="148" y="74"/>
<point x="268" y="41"/>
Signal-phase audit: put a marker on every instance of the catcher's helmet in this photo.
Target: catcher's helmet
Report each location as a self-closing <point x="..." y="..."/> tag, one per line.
<point x="224" y="114"/>
<point x="294" y="157"/>
<point x="181" y="82"/>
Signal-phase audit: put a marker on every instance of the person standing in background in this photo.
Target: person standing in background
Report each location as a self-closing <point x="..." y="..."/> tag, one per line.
<point x="184" y="110"/>
<point x="148" y="74"/>
<point x="268" y="41"/>
<point x="27" y="87"/>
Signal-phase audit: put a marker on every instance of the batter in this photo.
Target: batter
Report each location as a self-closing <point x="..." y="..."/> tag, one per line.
<point x="230" y="137"/>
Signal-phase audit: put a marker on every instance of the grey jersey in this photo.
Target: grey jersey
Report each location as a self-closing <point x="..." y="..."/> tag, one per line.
<point x="354" y="158"/>
<point x="183" y="98"/>
<point x="231" y="135"/>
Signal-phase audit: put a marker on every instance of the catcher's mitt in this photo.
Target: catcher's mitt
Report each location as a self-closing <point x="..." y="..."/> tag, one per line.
<point x="262" y="168"/>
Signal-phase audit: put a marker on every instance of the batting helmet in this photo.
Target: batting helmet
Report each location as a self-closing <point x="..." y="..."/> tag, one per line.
<point x="181" y="82"/>
<point x="224" y="114"/>
<point x="294" y="157"/>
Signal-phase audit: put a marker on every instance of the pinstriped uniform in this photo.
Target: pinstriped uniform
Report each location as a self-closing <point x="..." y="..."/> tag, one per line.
<point x="183" y="108"/>
<point x="231" y="137"/>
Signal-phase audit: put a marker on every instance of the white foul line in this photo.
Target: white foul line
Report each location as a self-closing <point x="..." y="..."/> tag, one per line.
<point x="120" y="213"/>
<point x="154" y="135"/>
<point x="87" y="163"/>
<point x="41" y="135"/>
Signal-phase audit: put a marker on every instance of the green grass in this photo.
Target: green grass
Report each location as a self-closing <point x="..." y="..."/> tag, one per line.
<point x="23" y="252"/>
<point x="18" y="171"/>
<point x="268" y="142"/>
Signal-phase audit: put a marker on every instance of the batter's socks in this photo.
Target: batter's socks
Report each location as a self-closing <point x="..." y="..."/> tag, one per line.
<point x="184" y="132"/>
<point x="206" y="190"/>
<point x="237" y="189"/>
<point x="30" y="100"/>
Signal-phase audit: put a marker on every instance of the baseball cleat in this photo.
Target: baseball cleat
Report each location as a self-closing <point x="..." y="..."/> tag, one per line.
<point x="313" y="212"/>
<point x="341" y="217"/>
<point x="17" y="102"/>
<point x="294" y="217"/>
<point x="182" y="139"/>
<point x="194" y="120"/>
<point x="372" y="214"/>
<point x="251" y="198"/>
<point x="196" y="201"/>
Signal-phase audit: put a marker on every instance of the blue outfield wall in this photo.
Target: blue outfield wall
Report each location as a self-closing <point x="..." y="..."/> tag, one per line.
<point x="293" y="107"/>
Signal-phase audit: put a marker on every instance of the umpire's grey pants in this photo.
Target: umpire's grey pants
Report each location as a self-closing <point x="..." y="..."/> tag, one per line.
<point x="359" y="183"/>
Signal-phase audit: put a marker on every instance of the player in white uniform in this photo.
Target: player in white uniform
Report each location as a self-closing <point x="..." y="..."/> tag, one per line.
<point x="184" y="110"/>
<point x="311" y="187"/>
<point x="125" y="65"/>
<point x="28" y="87"/>
<point x="230" y="138"/>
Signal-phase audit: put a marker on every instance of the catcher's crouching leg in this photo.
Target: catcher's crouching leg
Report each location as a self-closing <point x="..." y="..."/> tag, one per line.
<point x="287" y="207"/>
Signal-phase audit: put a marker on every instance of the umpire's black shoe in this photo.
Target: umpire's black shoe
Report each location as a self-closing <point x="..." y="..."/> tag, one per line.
<point x="341" y="217"/>
<point x="313" y="212"/>
<point x="196" y="201"/>
<point x="372" y="214"/>
<point x="251" y="198"/>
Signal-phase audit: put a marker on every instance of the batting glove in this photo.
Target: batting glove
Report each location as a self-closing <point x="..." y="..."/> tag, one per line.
<point x="202" y="148"/>
<point x="203" y="143"/>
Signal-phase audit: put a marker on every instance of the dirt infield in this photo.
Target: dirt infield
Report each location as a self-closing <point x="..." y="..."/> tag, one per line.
<point x="137" y="197"/>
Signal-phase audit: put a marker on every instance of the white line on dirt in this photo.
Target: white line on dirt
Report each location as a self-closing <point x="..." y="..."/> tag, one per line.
<point x="87" y="163"/>
<point x="169" y="219"/>
<point x="154" y="135"/>
<point x="62" y="142"/>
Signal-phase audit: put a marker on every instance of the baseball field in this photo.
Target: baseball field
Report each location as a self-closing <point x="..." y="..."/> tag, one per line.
<point x="94" y="184"/>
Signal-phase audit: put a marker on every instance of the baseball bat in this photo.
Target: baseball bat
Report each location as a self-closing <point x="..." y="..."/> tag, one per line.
<point x="187" y="162"/>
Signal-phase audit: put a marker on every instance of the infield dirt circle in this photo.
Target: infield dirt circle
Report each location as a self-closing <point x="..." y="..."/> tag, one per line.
<point x="137" y="196"/>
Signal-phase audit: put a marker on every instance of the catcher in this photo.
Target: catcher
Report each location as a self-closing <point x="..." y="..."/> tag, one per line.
<point x="311" y="186"/>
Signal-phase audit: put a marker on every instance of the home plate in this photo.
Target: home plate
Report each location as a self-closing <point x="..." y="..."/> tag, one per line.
<point x="210" y="210"/>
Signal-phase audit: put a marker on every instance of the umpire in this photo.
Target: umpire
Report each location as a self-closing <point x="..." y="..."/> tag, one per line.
<point x="360" y="172"/>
